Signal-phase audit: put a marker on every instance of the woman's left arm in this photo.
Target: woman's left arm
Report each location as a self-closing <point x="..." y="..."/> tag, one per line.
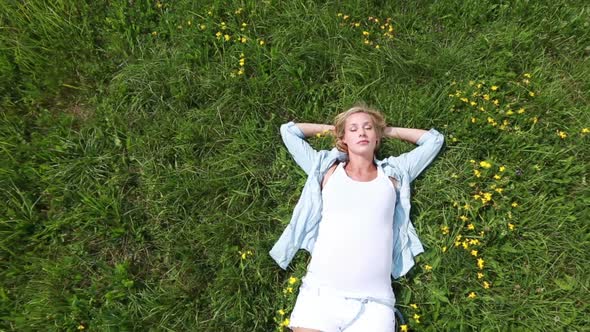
<point x="414" y="162"/>
<point x="407" y="134"/>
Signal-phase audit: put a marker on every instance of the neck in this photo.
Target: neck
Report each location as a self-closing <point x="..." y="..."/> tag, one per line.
<point x="360" y="164"/>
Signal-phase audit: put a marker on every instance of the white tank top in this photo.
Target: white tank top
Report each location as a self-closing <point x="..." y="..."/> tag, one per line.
<point x="355" y="237"/>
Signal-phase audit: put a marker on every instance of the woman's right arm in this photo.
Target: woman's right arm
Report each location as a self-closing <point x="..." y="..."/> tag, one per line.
<point x="294" y="135"/>
<point x="311" y="129"/>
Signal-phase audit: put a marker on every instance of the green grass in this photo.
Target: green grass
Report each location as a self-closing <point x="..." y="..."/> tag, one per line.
<point x="137" y="163"/>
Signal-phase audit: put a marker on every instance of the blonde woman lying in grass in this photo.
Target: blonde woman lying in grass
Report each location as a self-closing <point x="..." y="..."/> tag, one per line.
<point x="353" y="217"/>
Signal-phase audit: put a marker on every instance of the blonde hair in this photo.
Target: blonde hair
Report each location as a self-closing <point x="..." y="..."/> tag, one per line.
<point x="378" y="119"/>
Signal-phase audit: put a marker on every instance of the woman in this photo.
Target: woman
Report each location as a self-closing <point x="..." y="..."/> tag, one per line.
<point x="365" y="233"/>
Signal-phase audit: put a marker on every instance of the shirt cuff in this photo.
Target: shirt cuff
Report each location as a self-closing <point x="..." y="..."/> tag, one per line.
<point x="432" y="133"/>
<point x="292" y="127"/>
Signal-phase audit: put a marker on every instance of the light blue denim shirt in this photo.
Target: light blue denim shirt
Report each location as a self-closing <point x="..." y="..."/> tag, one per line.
<point x="302" y="230"/>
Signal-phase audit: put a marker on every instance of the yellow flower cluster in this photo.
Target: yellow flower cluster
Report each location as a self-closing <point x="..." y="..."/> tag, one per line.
<point x="281" y="320"/>
<point x="375" y="31"/>
<point x="488" y="101"/>
<point x="245" y="254"/>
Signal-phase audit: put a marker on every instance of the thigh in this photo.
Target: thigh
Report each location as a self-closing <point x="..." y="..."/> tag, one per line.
<point x="376" y="317"/>
<point x="314" y="311"/>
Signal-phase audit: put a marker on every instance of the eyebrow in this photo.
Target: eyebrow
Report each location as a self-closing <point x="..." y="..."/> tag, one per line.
<point x="366" y="122"/>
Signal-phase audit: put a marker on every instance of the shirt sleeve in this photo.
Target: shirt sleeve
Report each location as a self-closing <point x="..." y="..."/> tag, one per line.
<point x="415" y="161"/>
<point x="298" y="147"/>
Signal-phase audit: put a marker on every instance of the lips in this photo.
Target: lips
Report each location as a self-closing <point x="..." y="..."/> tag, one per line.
<point x="363" y="142"/>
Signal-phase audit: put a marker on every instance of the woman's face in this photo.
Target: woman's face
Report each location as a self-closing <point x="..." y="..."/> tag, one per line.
<point x="359" y="134"/>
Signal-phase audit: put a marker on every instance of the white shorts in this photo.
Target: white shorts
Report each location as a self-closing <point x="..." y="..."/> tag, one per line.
<point x="329" y="310"/>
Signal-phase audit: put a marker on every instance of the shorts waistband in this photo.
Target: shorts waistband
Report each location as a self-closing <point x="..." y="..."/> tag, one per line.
<point x="309" y="285"/>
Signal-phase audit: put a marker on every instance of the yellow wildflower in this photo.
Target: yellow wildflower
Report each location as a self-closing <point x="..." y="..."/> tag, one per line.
<point x="345" y="17"/>
<point x="474" y="253"/>
<point x="502" y="168"/>
<point x="479" y="85"/>
<point x="465" y="244"/>
<point x="525" y="81"/>
<point x="444" y="249"/>
<point x="465" y="100"/>
<point x="509" y="112"/>
<point x="202" y="27"/>
<point x="285" y="322"/>
<point x="527" y="75"/>
<point x="471" y="83"/>
<point x="480" y="263"/>
<point x="427" y="267"/>
<point x="154" y="33"/>
<point x="520" y="110"/>
<point x="473" y="120"/>
<point x="241" y="71"/>
<point x="499" y="190"/>
<point x="532" y="94"/>
<point x="472" y="161"/>
<point x="486" y="285"/>
<point x="494" y="88"/>
<point x="403" y="328"/>
<point x="339" y="14"/>
<point x="464" y="218"/>
<point x="496" y="102"/>
<point x="357" y="24"/>
<point x="414" y="306"/>
<point x="467" y="206"/>
<point x="562" y="134"/>
<point x="158" y="4"/>
<point x="471" y="295"/>
<point x="473" y="103"/>
<point x="476" y="172"/>
<point x="226" y="37"/>
<point x="514" y="204"/>
<point x="445" y="229"/>
<point x="476" y="196"/>
<point x="281" y="312"/>
<point x="292" y="280"/>
<point x="497" y="177"/>
<point x="377" y="46"/>
<point x="585" y="130"/>
<point x="365" y="33"/>
<point x="416" y="318"/>
<point x="457" y="243"/>
<point x="81" y="327"/>
<point x="479" y="275"/>
<point x="471" y="227"/>
<point x="511" y="226"/>
<point x="218" y="34"/>
<point x="486" y="97"/>
<point x="261" y="42"/>
<point x="485" y="164"/>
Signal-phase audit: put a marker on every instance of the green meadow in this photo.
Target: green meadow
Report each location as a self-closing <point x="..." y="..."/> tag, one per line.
<point x="144" y="180"/>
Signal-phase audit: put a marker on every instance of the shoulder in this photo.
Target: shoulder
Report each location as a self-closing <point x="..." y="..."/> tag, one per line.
<point x="329" y="173"/>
